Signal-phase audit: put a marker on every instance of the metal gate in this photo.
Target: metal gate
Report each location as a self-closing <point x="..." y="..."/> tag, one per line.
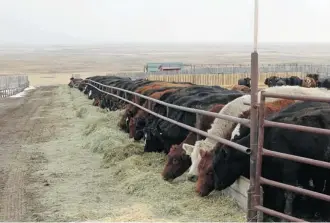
<point x="255" y="200"/>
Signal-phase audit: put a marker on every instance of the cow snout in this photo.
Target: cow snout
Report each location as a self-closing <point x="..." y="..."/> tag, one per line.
<point x="192" y="178"/>
<point x="167" y="179"/>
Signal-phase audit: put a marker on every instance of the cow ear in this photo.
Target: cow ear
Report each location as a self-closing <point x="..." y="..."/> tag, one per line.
<point x="188" y="148"/>
<point x="202" y="153"/>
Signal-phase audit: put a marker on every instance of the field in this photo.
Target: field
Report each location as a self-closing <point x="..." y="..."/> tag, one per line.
<point x="49" y="65"/>
<point x="68" y="161"/>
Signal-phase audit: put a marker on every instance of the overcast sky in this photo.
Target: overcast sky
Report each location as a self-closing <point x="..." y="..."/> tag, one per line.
<point x="106" y="21"/>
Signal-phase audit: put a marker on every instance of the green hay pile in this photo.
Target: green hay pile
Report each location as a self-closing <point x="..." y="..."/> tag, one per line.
<point x="138" y="175"/>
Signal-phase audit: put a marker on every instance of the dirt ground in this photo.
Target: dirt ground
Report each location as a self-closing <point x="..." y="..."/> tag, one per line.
<point x="62" y="159"/>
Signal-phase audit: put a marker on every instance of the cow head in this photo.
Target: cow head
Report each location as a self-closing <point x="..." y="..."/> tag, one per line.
<point x="139" y="125"/>
<point x="248" y="81"/>
<point x="205" y="182"/>
<point x="271" y="81"/>
<point x="266" y="81"/>
<point x="228" y="163"/>
<point x="308" y="82"/>
<point x="177" y="163"/>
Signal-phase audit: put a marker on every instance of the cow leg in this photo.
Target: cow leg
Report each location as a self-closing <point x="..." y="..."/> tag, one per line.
<point x="290" y="176"/>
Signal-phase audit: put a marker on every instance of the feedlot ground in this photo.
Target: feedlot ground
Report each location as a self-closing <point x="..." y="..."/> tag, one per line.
<point x="61" y="159"/>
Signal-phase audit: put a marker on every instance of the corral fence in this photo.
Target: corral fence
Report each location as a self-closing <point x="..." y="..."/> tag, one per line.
<point x="12" y="84"/>
<point x="257" y="123"/>
<point x="223" y="80"/>
<point x="244" y="70"/>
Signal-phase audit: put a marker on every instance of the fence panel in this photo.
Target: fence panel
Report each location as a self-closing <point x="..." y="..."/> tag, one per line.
<point x="12" y="84"/>
<point x="224" y="80"/>
<point x="196" y="69"/>
<point x="259" y="180"/>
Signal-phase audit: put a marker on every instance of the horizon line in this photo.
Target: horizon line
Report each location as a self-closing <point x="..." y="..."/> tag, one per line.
<point x="159" y="43"/>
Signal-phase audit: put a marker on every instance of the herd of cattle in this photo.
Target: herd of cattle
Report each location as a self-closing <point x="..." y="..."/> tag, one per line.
<point x="311" y="80"/>
<point x="213" y="165"/>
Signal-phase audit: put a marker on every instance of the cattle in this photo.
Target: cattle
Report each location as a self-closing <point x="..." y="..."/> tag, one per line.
<point x="229" y="164"/>
<point x="294" y="90"/>
<point x="162" y="134"/>
<point x="131" y="110"/>
<point x="88" y="88"/>
<point x="313" y="76"/>
<point x="74" y="82"/>
<point x="223" y="128"/>
<point x="271" y="81"/>
<point x="241" y="88"/>
<point x="245" y="82"/>
<point x="177" y="160"/>
<point x="108" y="81"/>
<point x="324" y="83"/>
<point x="280" y="81"/>
<point x="141" y="114"/>
<point x="145" y="90"/>
<point x="295" y="81"/>
<point x="110" y="102"/>
<point x="205" y="182"/>
<point x="308" y="82"/>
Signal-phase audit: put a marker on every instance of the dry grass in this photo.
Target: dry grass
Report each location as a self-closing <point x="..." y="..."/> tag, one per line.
<point x="137" y="175"/>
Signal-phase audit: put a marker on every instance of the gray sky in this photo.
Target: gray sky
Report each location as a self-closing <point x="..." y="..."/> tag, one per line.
<point x="106" y="21"/>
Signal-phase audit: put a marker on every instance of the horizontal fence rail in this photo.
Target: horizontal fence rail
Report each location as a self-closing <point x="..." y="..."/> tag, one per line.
<point x="12" y="84"/>
<point x="259" y="180"/>
<point x="197" y="111"/>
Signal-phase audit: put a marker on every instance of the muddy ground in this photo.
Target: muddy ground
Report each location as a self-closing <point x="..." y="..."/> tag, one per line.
<point x="62" y="159"/>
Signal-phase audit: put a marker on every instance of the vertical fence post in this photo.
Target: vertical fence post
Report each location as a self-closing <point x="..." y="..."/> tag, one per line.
<point x="198" y="125"/>
<point x="252" y="213"/>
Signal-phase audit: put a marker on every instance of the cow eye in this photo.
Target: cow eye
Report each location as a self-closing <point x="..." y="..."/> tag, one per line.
<point x="175" y="161"/>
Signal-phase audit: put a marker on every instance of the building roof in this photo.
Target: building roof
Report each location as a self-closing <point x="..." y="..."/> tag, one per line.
<point x="167" y="64"/>
<point x="165" y="67"/>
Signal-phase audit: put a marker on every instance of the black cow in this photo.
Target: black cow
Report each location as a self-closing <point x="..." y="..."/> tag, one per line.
<point x="271" y="81"/>
<point x="171" y="97"/>
<point x="162" y="134"/>
<point x="324" y="82"/>
<point x="245" y="81"/>
<point x="295" y="81"/>
<point x="229" y="163"/>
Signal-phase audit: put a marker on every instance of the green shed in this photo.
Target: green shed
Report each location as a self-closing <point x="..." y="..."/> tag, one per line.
<point x="154" y="67"/>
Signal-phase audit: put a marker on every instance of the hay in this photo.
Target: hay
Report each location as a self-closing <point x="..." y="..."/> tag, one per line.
<point x="81" y="112"/>
<point x="136" y="175"/>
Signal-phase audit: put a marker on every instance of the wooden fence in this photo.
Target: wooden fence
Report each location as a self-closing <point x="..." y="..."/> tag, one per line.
<point x="13" y="84"/>
<point x="225" y="80"/>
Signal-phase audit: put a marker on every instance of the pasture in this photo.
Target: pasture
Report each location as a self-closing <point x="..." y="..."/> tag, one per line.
<point x="76" y="165"/>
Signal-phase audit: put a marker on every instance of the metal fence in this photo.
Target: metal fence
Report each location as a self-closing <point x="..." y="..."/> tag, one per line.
<point x="256" y="150"/>
<point x="322" y="69"/>
<point x="12" y="84"/>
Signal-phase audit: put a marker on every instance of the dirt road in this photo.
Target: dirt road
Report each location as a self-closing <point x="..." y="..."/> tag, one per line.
<point x="19" y="124"/>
